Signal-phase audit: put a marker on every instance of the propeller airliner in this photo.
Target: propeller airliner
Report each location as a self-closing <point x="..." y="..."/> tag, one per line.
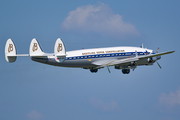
<point x="124" y="58"/>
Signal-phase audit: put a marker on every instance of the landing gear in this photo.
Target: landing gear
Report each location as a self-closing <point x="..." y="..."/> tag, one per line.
<point x="93" y="70"/>
<point x="125" y="71"/>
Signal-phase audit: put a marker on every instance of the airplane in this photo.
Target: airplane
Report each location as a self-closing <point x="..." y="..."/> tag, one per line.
<point x="124" y="58"/>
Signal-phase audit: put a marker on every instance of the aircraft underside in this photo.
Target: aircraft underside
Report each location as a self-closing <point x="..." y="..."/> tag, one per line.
<point x="85" y="64"/>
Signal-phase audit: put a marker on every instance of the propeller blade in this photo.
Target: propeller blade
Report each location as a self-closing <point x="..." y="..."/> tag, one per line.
<point x="157" y="50"/>
<point x="108" y="69"/>
<point x="159" y="65"/>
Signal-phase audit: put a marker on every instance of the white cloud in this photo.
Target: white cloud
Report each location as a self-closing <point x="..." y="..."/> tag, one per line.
<point x="172" y="99"/>
<point x="34" y="115"/>
<point x="98" y="19"/>
<point x="104" y="106"/>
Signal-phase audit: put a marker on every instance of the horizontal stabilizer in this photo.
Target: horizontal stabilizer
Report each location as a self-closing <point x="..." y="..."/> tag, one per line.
<point x="22" y="55"/>
<point x="19" y="55"/>
<point x="43" y="55"/>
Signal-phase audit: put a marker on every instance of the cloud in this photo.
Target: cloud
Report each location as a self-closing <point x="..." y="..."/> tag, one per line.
<point x="34" y="115"/>
<point x="172" y="99"/>
<point x="104" y="106"/>
<point x="98" y="19"/>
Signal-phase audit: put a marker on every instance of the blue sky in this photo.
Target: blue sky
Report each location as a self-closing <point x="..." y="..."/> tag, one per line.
<point x="34" y="91"/>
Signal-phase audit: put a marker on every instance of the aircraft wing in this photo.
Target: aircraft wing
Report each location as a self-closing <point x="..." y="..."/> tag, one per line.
<point x="155" y="55"/>
<point x="113" y="62"/>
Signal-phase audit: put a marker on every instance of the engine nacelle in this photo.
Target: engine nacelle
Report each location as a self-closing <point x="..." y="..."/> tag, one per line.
<point x="124" y="67"/>
<point x="152" y="59"/>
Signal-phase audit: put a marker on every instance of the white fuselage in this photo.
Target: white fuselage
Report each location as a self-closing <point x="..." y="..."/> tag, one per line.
<point x="86" y="57"/>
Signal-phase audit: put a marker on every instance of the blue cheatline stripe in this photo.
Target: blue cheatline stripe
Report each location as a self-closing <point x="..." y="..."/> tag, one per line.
<point x="105" y="55"/>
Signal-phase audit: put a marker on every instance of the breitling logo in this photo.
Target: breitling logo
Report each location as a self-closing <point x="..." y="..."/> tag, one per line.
<point x="10" y="48"/>
<point x="59" y="48"/>
<point x="35" y="47"/>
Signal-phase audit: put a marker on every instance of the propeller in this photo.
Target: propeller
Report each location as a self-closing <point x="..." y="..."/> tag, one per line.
<point x="157" y="62"/>
<point x="157" y="50"/>
<point x="159" y="65"/>
<point x="108" y="69"/>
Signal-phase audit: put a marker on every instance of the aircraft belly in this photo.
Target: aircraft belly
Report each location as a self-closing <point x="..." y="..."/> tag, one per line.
<point x="40" y="59"/>
<point x="75" y="63"/>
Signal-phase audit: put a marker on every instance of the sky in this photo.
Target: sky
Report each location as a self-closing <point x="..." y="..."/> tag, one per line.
<point x="34" y="91"/>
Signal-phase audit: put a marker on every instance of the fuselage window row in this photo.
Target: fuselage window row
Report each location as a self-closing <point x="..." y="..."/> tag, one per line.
<point x="105" y="55"/>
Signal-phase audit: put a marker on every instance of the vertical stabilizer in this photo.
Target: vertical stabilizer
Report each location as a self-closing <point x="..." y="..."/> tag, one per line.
<point x="10" y="51"/>
<point x="35" y="49"/>
<point x="59" y="50"/>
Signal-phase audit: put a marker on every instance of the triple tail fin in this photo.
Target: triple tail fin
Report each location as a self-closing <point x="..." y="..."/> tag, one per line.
<point x="59" y="51"/>
<point x="35" y="49"/>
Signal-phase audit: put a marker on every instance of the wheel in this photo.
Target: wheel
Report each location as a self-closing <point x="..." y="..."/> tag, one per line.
<point x="93" y="70"/>
<point x="125" y="71"/>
